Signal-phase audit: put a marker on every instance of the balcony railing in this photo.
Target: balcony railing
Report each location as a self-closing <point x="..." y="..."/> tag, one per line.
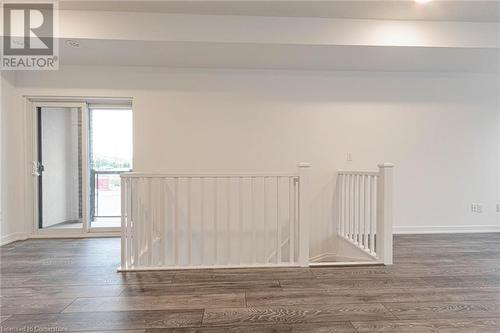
<point x="105" y="193"/>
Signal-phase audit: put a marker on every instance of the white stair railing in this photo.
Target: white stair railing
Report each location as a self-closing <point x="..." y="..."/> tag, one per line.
<point x="207" y="220"/>
<point x="364" y="210"/>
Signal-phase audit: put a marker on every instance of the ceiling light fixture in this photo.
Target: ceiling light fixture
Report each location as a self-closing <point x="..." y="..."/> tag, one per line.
<point x="422" y="1"/>
<point x="73" y="43"/>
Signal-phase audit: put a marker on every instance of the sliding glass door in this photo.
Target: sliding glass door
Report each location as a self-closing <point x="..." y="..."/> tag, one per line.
<point x="80" y="152"/>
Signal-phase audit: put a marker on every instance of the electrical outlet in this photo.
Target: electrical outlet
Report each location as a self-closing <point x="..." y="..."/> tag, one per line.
<point x="498" y="207"/>
<point x="477" y="208"/>
<point x="349" y="157"/>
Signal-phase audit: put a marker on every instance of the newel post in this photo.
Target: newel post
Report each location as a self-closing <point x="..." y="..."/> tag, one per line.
<point x="384" y="213"/>
<point x="304" y="213"/>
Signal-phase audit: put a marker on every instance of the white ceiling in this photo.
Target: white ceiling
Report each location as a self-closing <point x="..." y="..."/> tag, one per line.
<point x="329" y="35"/>
<point x="447" y="10"/>
<point x="275" y="56"/>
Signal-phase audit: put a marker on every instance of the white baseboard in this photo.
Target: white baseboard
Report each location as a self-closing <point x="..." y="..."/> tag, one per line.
<point x="457" y="229"/>
<point x="82" y="235"/>
<point x="15" y="236"/>
<point x="23" y="236"/>
<point x="323" y="257"/>
<point x="398" y="230"/>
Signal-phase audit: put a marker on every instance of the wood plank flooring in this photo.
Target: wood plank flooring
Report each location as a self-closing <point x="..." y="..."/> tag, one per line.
<point x="439" y="283"/>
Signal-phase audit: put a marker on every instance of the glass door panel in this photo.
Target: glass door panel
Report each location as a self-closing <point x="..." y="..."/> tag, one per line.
<point x="110" y="153"/>
<point x="59" y="168"/>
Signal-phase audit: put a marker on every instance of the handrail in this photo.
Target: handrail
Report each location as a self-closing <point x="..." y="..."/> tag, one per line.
<point x="203" y="175"/>
<point x="367" y="173"/>
<point x="108" y="172"/>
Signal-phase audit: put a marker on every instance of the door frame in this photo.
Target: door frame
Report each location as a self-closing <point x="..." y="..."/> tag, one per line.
<point x="30" y="103"/>
<point x="37" y="204"/>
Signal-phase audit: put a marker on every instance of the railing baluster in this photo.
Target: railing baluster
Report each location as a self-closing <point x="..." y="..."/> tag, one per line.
<point x="344" y="206"/>
<point x="296" y="196"/>
<point x="347" y="215"/>
<point x="228" y="219"/>
<point x="189" y="222"/>
<point x="354" y="226"/>
<point x="278" y="223"/>
<point x="369" y="210"/>
<point x="338" y="204"/>
<point x="372" y="214"/>
<point x="140" y="222"/>
<point x="351" y="207"/>
<point x="240" y="219"/>
<point x="124" y="223"/>
<point x="131" y="224"/>
<point x="163" y="233"/>
<point x="137" y="221"/>
<point x="360" y="224"/>
<point x="347" y="206"/>
<point x="127" y="219"/>
<point x="150" y="222"/>
<point x="336" y="207"/>
<point x="202" y="220"/>
<point x="291" y="220"/>
<point x="176" y="221"/>
<point x="357" y="201"/>
<point x="130" y="229"/>
<point x="169" y="222"/>
<point x="343" y="203"/>
<point x="365" y="209"/>
<point x="355" y="207"/>
<point x="215" y="221"/>
<point x="254" y="222"/>
<point x="143" y="221"/>
<point x="265" y="223"/>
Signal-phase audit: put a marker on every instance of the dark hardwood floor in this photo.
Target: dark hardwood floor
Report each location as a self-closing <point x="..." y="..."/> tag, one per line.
<point x="439" y="283"/>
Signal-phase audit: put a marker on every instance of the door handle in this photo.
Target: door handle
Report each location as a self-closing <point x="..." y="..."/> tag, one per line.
<point x="37" y="169"/>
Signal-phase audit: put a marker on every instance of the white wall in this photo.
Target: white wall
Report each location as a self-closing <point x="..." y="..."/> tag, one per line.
<point x="12" y="176"/>
<point x="498" y="154"/>
<point x="440" y="129"/>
